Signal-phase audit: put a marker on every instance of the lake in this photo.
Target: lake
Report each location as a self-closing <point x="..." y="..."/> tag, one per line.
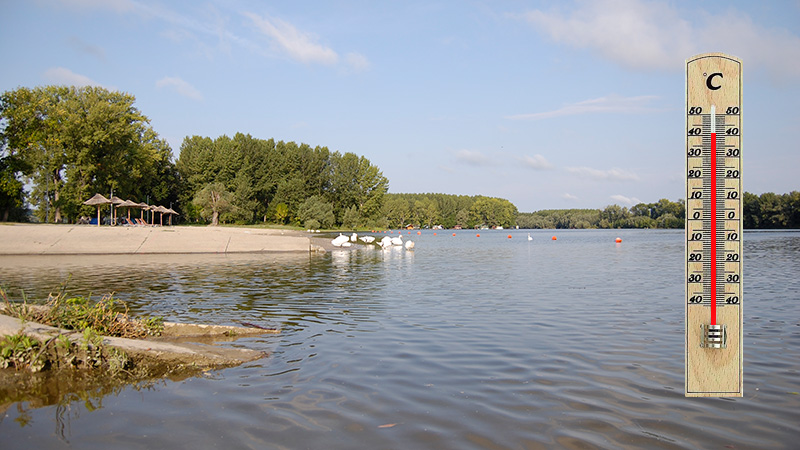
<point x="466" y="342"/>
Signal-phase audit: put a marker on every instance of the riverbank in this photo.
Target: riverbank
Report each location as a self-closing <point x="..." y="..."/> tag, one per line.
<point x="50" y="239"/>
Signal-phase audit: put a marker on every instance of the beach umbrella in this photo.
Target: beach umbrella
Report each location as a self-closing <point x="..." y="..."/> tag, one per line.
<point x="129" y="204"/>
<point x="98" y="200"/>
<point x="161" y="210"/>
<point x="171" y="213"/>
<point x="144" y="207"/>
<point x="116" y="201"/>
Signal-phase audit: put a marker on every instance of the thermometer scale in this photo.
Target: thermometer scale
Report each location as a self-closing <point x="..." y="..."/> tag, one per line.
<point x="714" y="363"/>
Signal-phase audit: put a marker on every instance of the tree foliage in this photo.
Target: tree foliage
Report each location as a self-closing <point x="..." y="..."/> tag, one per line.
<point x="315" y="213"/>
<point x="449" y="211"/>
<point x="662" y="214"/>
<point x="271" y="180"/>
<point x="70" y="143"/>
<point x="771" y="211"/>
<point x="12" y="194"/>
<point x="212" y="201"/>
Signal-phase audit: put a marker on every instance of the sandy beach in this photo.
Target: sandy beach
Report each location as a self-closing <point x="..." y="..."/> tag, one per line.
<point x="49" y="239"/>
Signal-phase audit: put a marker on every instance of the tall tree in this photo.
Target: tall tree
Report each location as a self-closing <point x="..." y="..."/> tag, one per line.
<point x="212" y="201"/>
<point x="72" y="142"/>
<point x="11" y="191"/>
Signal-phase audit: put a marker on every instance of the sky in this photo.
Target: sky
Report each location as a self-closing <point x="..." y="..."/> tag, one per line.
<point x="551" y="105"/>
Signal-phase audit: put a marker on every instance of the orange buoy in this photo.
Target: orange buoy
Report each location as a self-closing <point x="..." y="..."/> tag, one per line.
<point x="509" y="236"/>
<point x="434" y="233"/>
<point x="454" y="234"/>
<point x="477" y="235"/>
<point x="554" y="238"/>
<point x="419" y="232"/>
<point x="618" y="240"/>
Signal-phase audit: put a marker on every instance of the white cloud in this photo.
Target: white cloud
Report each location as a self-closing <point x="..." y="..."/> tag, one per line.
<point x="61" y="75"/>
<point x="626" y="200"/>
<point x="568" y="196"/>
<point x="614" y="174"/>
<point x="536" y="162"/>
<point x="298" y="45"/>
<point x="654" y="35"/>
<point x="608" y="104"/>
<point x="357" y="62"/>
<point x="633" y="33"/>
<point x="180" y="86"/>
<point x="473" y="158"/>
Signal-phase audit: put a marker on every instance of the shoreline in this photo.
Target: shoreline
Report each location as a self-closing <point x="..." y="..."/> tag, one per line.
<point x="56" y="239"/>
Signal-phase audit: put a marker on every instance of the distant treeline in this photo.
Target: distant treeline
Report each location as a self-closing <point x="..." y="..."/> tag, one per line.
<point x="770" y="211"/>
<point x="448" y="211"/>
<point x="767" y="211"/>
<point x="662" y="214"/>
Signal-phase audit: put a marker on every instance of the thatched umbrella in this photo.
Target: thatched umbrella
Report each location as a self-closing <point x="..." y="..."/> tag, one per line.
<point x="171" y="213"/>
<point x="129" y="204"/>
<point x="98" y="200"/>
<point x="144" y="207"/>
<point x="115" y="201"/>
<point x="162" y="210"/>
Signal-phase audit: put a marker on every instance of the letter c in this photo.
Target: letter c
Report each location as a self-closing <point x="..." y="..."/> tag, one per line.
<point x="711" y="77"/>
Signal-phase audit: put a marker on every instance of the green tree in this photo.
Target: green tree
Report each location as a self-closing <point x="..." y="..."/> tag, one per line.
<point x="212" y="201"/>
<point x="281" y="212"/>
<point x="493" y="212"/>
<point x="396" y="211"/>
<point x="315" y="212"/>
<point x="11" y="191"/>
<point x="613" y="216"/>
<point x="351" y="219"/>
<point x="73" y="142"/>
<point x="751" y="211"/>
<point x="356" y="182"/>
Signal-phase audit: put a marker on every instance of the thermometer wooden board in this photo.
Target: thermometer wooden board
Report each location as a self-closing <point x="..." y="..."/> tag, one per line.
<point x="714" y="324"/>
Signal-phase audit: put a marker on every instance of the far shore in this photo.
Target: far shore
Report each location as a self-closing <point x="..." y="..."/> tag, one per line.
<point x="52" y="239"/>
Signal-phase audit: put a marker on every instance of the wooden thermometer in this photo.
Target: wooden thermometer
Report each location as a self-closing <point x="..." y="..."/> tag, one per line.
<point x="714" y="226"/>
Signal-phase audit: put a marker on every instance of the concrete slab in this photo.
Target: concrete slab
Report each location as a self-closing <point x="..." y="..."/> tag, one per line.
<point x="49" y="239"/>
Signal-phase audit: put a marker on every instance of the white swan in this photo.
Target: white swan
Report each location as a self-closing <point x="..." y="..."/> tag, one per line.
<point x="397" y="240"/>
<point x="354" y="238"/>
<point x="409" y="245"/>
<point x="367" y="239"/>
<point x="529" y="237"/>
<point x="339" y="240"/>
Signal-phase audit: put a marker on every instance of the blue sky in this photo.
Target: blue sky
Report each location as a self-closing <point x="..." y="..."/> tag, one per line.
<point x="574" y="104"/>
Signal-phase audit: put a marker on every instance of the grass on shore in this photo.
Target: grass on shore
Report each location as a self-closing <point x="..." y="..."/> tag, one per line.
<point x="79" y="314"/>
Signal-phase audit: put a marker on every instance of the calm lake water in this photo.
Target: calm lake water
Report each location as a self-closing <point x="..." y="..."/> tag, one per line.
<point x="465" y="342"/>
